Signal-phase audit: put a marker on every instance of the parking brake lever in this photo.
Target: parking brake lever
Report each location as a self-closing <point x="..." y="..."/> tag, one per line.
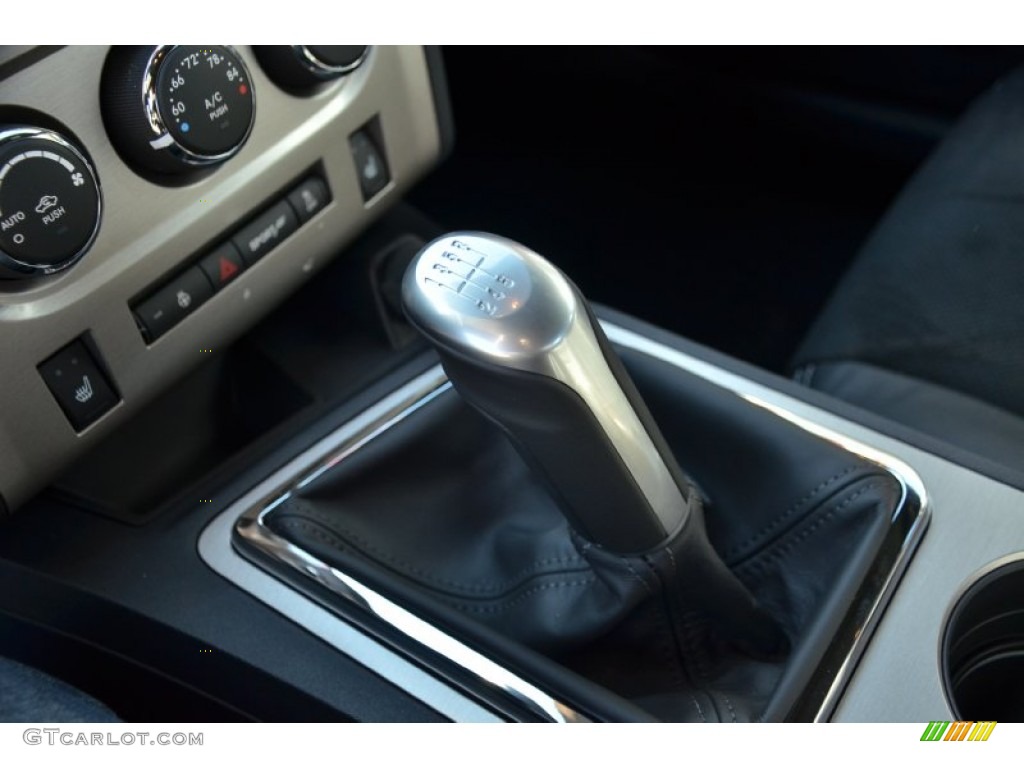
<point x="521" y="345"/>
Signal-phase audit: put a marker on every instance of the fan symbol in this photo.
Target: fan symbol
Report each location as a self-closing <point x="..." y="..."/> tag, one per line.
<point x="77" y="179"/>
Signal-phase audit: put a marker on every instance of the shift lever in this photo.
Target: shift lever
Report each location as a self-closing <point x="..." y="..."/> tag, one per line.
<point x="521" y="344"/>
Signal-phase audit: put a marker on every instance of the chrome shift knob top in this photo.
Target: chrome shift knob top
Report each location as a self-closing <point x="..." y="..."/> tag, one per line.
<point x="492" y="297"/>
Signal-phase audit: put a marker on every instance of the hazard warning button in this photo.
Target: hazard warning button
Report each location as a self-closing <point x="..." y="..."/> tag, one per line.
<point x="222" y="265"/>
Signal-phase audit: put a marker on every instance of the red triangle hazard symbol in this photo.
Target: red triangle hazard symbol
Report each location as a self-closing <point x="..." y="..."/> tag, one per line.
<point x="227" y="269"/>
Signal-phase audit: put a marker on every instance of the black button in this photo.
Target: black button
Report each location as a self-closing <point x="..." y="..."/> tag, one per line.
<point x="308" y="198"/>
<point x="223" y="265"/>
<point x="81" y="390"/>
<point x="176" y="300"/>
<point x="269" y="229"/>
<point x="370" y="165"/>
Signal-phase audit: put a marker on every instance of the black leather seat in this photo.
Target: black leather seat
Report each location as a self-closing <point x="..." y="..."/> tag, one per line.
<point x="927" y="327"/>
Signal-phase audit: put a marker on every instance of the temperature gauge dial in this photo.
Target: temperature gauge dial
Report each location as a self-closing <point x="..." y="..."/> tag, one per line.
<point x="176" y="107"/>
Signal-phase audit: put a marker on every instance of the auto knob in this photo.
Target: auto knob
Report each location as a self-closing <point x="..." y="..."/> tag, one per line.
<point x="302" y="67"/>
<point x="170" y="109"/>
<point x="50" y="202"/>
<point x="521" y="344"/>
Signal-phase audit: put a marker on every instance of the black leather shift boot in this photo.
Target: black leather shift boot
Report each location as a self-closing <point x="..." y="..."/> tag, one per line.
<point x="441" y="512"/>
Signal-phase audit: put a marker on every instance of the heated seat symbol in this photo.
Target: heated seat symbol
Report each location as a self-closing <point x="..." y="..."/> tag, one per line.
<point x="83" y="394"/>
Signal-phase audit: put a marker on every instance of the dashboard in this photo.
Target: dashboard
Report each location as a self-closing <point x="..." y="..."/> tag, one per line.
<point x="157" y="201"/>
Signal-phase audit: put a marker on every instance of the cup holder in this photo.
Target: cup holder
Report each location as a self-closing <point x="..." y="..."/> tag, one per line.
<point x="983" y="647"/>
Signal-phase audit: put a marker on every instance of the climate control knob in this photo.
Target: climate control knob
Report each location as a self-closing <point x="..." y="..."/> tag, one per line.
<point x="50" y="202"/>
<point x="301" y="67"/>
<point x="172" y="108"/>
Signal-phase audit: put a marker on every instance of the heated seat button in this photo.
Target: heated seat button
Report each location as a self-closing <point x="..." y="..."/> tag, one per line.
<point x="222" y="265"/>
<point x="78" y="385"/>
<point x="370" y="165"/>
<point x="265" y="232"/>
<point x="172" y="303"/>
<point x="308" y="198"/>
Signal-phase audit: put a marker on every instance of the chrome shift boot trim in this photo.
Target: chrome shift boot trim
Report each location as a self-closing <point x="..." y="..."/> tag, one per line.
<point x="421" y="639"/>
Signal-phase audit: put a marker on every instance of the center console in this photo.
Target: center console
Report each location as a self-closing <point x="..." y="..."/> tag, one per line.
<point x="273" y="504"/>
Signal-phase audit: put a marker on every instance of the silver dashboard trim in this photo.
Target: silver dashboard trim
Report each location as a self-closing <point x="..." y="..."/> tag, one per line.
<point x="246" y="514"/>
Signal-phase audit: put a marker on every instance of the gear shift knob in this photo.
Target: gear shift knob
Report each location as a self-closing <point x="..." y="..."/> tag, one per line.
<point x="520" y="343"/>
